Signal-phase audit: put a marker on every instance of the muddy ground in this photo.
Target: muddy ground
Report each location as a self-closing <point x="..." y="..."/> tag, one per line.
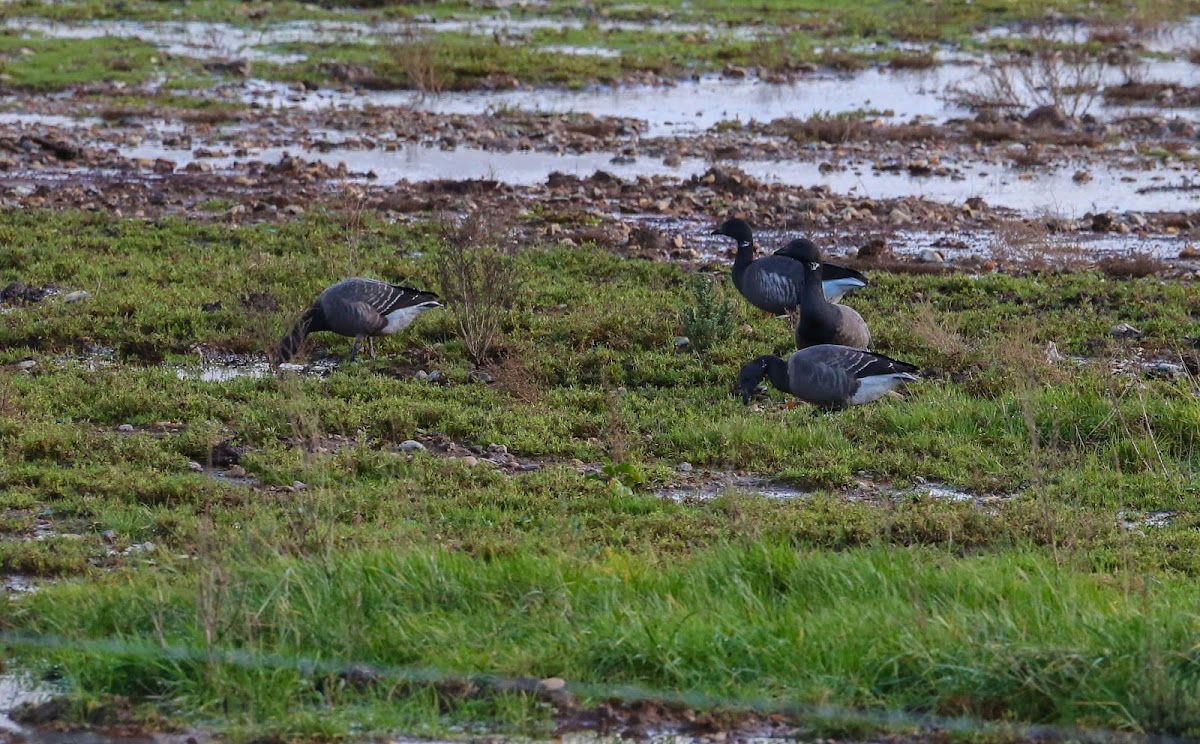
<point x="966" y="186"/>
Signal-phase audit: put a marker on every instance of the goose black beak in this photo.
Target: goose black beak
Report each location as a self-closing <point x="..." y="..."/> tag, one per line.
<point x="716" y="232"/>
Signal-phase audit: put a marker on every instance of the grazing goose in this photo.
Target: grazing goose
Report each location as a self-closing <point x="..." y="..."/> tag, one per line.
<point x="829" y="376"/>
<point x="362" y="308"/>
<point x="773" y="283"/>
<point x="821" y="322"/>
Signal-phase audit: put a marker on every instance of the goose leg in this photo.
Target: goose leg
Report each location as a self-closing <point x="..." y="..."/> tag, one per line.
<point x="354" y="348"/>
<point x="371" y="345"/>
<point x="829" y="408"/>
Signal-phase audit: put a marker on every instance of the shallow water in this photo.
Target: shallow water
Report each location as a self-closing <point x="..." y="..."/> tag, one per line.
<point x="687" y="108"/>
<point x="197" y="39"/>
<point x="1042" y="191"/>
<point x="695" y="106"/>
<point x="741" y="485"/>
<point x="1176" y="37"/>
<point x="421" y="163"/>
<point x="1139" y="521"/>
<point x="16" y="584"/>
<point x="16" y="690"/>
<point x="234" y="368"/>
<point x="972" y="242"/>
<point x="213" y="40"/>
<point x="47" y="120"/>
<point x="778" y="491"/>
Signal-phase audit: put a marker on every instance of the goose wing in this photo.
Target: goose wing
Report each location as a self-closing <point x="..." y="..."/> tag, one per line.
<point x="774" y="284"/>
<point x="830" y="373"/>
<point x="829" y="272"/>
<point x="820" y="374"/>
<point x="833" y="272"/>
<point x="359" y="306"/>
<point x="380" y="296"/>
<point x="858" y="363"/>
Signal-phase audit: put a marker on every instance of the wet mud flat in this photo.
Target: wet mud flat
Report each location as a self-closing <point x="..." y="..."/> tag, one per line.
<point x="1121" y="184"/>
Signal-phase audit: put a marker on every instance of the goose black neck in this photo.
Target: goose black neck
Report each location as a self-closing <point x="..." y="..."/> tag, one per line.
<point x="777" y="373"/>
<point x="313" y="320"/>
<point x="814" y="290"/>
<point x="742" y="261"/>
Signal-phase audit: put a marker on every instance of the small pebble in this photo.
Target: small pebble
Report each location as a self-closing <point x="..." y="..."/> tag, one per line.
<point x="27" y="364"/>
<point x="682" y="342"/>
<point x="237" y="471"/>
<point x="478" y="375"/>
<point x="299" y="485"/>
<point x="76" y="296"/>
<point x="1124" y="330"/>
<point x="552" y="684"/>
<point x="422" y="375"/>
<point x="471" y="460"/>
<point x="684" y="467"/>
<point x="412" y="445"/>
<point x="125" y="427"/>
<point x="193" y="465"/>
<point x="929" y="255"/>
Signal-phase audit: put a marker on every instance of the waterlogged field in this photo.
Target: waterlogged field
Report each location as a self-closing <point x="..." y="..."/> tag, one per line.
<point x="579" y="526"/>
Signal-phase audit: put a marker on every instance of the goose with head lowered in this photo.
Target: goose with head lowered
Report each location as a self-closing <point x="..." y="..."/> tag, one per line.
<point x="829" y="376"/>
<point x="359" y="308"/>
<point x="820" y="321"/>
<point x="774" y="283"/>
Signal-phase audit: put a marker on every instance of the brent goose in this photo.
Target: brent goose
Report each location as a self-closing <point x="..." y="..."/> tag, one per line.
<point x="773" y="283"/>
<point x="820" y="322"/>
<point x="362" y="308"/>
<point x="829" y="376"/>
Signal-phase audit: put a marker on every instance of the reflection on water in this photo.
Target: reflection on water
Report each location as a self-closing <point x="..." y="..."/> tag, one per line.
<point x="1043" y="191"/>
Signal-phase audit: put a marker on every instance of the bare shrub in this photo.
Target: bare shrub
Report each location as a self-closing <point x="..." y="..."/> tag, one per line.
<point x="842" y="61"/>
<point x="1131" y="266"/>
<point x="479" y="282"/>
<point x="1021" y="355"/>
<point x="1031" y="244"/>
<point x="1067" y="78"/>
<point x="418" y="61"/>
<point x="1030" y="157"/>
<point x="839" y="129"/>
<point x="518" y="375"/>
<point x="913" y="61"/>
<point x="939" y="332"/>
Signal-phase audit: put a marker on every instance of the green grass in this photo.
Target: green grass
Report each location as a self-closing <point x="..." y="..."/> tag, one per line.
<point x="843" y="34"/>
<point x="924" y="21"/>
<point x="47" y="64"/>
<point x="876" y="628"/>
<point x="1025" y="608"/>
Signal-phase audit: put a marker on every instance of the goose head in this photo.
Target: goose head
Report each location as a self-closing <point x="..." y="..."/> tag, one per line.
<point x="803" y="249"/>
<point x="749" y="377"/>
<point x="737" y="229"/>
